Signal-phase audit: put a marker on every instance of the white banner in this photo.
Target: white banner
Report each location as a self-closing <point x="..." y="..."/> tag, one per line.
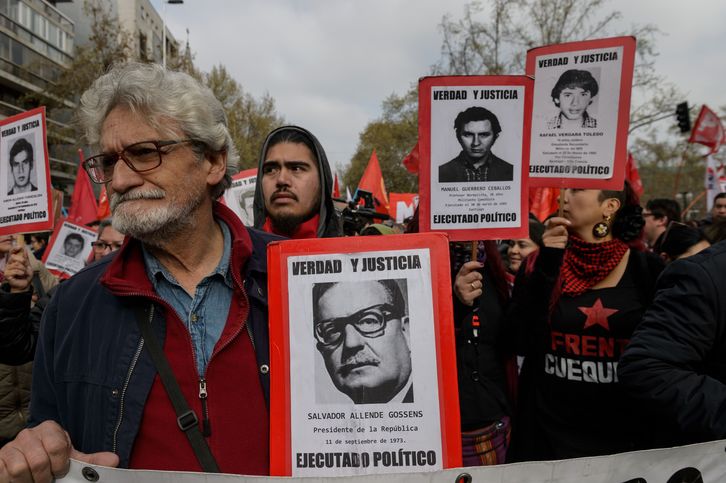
<point x="715" y="179"/>
<point x="696" y="463"/>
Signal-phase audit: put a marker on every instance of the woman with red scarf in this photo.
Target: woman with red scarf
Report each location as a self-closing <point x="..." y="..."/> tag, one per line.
<point x="575" y="307"/>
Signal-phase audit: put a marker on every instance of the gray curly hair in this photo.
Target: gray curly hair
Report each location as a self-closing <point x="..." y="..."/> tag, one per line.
<point x="159" y="95"/>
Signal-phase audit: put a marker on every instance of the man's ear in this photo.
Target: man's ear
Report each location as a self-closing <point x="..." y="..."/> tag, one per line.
<point x="404" y="327"/>
<point x="217" y="168"/>
<point x="556" y="101"/>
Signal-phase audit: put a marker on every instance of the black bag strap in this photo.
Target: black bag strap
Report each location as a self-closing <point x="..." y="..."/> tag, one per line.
<point x="38" y="285"/>
<point x="186" y="418"/>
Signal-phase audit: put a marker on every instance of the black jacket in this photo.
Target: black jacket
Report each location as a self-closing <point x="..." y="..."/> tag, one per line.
<point x="330" y="225"/>
<point x="456" y="170"/>
<point x="676" y="359"/>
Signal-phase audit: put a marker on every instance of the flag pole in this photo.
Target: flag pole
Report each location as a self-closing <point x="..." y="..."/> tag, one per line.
<point x="680" y="167"/>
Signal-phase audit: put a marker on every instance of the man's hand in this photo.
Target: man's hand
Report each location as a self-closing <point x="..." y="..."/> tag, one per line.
<point x="43" y="453"/>
<point x="468" y="283"/>
<point x="555" y="236"/>
<point x="18" y="273"/>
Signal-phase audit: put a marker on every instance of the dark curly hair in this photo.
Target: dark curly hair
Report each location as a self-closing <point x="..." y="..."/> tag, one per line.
<point x="628" y="222"/>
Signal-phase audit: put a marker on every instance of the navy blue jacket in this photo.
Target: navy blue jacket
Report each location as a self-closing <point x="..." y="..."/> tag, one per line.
<point x="91" y="374"/>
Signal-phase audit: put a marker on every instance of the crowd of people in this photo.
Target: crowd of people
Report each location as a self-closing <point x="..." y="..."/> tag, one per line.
<point x="569" y="343"/>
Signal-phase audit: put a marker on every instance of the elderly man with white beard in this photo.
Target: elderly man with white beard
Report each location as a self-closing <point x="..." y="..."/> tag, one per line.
<point x="190" y="280"/>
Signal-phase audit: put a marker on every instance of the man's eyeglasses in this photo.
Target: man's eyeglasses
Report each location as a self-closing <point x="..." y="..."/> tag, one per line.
<point x="140" y="157"/>
<point x="370" y="322"/>
<point x="101" y="246"/>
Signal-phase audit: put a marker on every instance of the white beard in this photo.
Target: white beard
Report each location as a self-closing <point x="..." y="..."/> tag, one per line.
<point x="155" y="226"/>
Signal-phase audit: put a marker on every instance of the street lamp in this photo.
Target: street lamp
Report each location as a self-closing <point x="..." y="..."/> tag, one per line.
<point x="163" y="28"/>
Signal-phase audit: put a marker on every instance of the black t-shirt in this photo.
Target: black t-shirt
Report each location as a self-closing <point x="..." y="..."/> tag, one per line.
<point x="583" y="411"/>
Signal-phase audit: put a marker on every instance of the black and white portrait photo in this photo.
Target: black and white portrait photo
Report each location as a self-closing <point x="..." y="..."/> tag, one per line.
<point x="361" y="329"/>
<point x="73" y="245"/>
<point x="476" y="129"/>
<point x="70" y="248"/>
<point x="573" y="94"/>
<point x="580" y="112"/>
<point x="21" y="159"/>
<point x="240" y="196"/>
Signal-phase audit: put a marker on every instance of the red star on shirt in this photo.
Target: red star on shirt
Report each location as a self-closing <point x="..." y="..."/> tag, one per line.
<point x="597" y="315"/>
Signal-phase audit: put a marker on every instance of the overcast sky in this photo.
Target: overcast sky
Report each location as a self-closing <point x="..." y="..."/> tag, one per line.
<point x="330" y="63"/>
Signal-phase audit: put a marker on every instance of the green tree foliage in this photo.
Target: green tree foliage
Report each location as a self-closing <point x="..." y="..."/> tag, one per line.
<point x="108" y="44"/>
<point x="659" y="162"/>
<point x="250" y="119"/>
<point x="392" y="136"/>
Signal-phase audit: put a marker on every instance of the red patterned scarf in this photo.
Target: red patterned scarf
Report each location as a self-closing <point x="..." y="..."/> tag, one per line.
<point x="307" y="229"/>
<point x="586" y="264"/>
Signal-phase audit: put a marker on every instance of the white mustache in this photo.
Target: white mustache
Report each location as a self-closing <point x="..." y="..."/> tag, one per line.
<point x="151" y="194"/>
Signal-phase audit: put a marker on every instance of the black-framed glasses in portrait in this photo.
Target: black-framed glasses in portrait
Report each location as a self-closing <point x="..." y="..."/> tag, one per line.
<point x="369" y="322"/>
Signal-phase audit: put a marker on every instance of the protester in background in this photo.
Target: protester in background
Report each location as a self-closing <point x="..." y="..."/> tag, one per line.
<point x="718" y="211"/>
<point x="658" y="213"/>
<point x="716" y="231"/>
<point x="575" y="306"/>
<point x="520" y="248"/>
<point x="109" y="240"/>
<point x="18" y="333"/>
<point x="166" y="155"/>
<point x="38" y="243"/>
<point x="486" y="367"/>
<point x="682" y="241"/>
<point x="676" y="359"/>
<point x="376" y="229"/>
<point x="293" y="194"/>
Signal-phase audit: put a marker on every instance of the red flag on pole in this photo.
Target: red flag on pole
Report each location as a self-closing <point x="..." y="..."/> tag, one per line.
<point x="83" y="202"/>
<point x="410" y="162"/>
<point x="336" y="187"/>
<point x="632" y="175"/>
<point x="104" y="207"/>
<point x="708" y="130"/>
<point x="372" y="180"/>
<point x="543" y="202"/>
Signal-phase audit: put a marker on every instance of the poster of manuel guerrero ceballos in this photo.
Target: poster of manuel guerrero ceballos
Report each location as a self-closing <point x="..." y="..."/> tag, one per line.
<point x="473" y="143"/>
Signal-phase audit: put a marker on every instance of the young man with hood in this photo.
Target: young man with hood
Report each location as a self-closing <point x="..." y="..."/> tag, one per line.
<point x="293" y="195"/>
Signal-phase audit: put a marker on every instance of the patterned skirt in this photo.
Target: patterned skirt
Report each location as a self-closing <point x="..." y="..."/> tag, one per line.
<point x="488" y="445"/>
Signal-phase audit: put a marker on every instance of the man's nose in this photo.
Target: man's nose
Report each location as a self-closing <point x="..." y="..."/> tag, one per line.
<point x="124" y="178"/>
<point x="476" y="141"/>
<point x="352" y="338"/>
<point x="283" y="177"/>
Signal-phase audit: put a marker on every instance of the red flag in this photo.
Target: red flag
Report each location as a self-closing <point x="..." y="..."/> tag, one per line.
<point x="403" y="205"/>
<point x="543" y="202"/>
<point x="632" y="175"/>
<point x="410" y="162"/>
<point x="104" y="207"/>
<point x="83" y="202"/>
<point x="708" y="130"/>
<point x="336" y="187"/>
<point x="372" y="180"/>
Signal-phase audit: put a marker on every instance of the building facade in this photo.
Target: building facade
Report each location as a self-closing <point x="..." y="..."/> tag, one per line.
<point x="36" y="44"/>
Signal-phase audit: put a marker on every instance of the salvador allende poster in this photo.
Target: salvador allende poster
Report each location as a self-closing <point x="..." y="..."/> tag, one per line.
<point x="363" y="377"/>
